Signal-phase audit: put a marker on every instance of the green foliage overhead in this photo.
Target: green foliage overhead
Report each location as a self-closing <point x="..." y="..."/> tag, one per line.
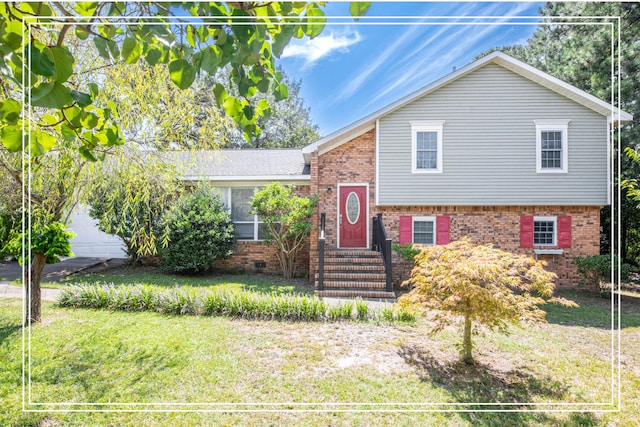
<point x="288" y="220"/>
<point x="481" y="284"/>
<point x="60" y="35"/>
<point x="199" y="232"/>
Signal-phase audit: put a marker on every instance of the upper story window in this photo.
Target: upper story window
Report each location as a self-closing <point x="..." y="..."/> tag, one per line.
<point x="552" y="148"/>
<point x="426" y="146"/>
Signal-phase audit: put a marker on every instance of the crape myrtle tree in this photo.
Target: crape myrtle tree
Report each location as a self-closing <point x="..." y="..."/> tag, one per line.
<point x="288" y="221"/>
<point x="478" y="285"/>
<point x="39" y="64"/>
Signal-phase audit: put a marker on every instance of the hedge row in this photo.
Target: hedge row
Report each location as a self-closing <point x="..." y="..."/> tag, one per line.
<point x="199" y="302"/>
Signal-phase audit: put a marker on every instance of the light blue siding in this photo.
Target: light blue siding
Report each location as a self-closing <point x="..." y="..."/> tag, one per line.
<point x="489" y="146"/>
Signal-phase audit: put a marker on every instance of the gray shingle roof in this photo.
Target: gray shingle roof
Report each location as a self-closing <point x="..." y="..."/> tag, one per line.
<point x="206" y="164"/>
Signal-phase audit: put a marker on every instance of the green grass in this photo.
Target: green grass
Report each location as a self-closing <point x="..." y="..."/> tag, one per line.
<point x="129" y="275"/>
<point x="85" y="355"/>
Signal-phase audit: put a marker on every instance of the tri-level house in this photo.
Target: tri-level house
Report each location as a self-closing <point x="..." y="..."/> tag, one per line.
<point x="497" y="151"/>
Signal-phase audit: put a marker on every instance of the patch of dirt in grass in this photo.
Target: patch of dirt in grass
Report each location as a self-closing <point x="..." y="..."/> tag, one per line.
<point x="323" y="348"/>
<point x="365" y="345"/>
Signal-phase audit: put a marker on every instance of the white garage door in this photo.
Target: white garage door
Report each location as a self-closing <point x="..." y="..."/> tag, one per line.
<point x="90" y="241"/>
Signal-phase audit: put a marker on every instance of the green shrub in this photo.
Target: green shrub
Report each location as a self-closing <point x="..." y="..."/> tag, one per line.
<point x="346" y="310"/>
<point x="335" y="312"/>
<point x="405" y="316"/>
<point x="596" y="270"/>
<point x="199" y="231"/>
<point x="408" y="251"/>
<point x="179" y="301"/>
<point x="50" y="239"/>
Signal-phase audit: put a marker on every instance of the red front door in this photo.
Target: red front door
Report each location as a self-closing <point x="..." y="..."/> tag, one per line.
<point x="352" y="216"/>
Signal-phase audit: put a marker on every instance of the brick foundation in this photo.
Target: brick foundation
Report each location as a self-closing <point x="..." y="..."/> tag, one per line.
<point x="248" y="257"/>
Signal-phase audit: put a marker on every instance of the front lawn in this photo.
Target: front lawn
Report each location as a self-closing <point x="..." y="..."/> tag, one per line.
<point x="100" y="356"/>
<point x="129" y="275"/>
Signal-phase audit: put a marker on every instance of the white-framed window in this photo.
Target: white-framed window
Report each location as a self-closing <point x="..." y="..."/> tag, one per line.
<point x="552" y="146"/>
<point x="247" y="226"/>
<point x="424" y="230"/>
<point x="545" y="230"/>
<point x="426" y="146"/>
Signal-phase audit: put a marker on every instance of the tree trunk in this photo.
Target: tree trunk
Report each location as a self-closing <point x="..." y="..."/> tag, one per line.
<point x="466" y="344"/>
<point x="34" y="304"/>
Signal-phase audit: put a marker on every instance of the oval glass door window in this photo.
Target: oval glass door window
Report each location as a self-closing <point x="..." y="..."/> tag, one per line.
<point x="353" y="208"/>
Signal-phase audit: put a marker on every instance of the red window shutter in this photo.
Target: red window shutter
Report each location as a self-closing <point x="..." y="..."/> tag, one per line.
<point x="526" y="231"/>
<point x="564" y="231"/>
<point x="443" y="235"/>
<point x="406" y="230"/>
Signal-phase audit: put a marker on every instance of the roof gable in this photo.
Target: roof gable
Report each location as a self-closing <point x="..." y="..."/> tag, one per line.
<point x="367" y="123"/>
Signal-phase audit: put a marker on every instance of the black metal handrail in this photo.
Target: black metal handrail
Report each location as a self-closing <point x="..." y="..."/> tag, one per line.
<point x="321" y="241"/>
<point x="382" y="243"/>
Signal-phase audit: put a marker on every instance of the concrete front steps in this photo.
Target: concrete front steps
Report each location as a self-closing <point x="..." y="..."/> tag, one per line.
<point x="350" y="273"/>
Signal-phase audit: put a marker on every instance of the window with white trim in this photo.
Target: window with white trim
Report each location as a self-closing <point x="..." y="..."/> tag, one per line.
<point x="247" y="226"/>
<point x="424" y="230"/>
<point x="545" y="230"/>
<point x="426" y="146"/>
<point x="552" y="148"/>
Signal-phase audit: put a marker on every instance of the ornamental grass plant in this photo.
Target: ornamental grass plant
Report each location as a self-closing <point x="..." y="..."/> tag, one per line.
<point x="242" y="304"/>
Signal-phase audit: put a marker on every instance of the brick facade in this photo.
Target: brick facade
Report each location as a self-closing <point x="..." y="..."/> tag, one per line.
<point x="260" y="257"/>
<point x="500" y="226"/>
<point x="353" y="162"/>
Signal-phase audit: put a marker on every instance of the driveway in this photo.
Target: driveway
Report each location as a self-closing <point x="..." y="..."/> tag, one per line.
<point x="9" y="291"/>
<point x="12" y="271"/>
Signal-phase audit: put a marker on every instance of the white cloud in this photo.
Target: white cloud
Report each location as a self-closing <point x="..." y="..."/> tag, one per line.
<point x="311" y="50"/>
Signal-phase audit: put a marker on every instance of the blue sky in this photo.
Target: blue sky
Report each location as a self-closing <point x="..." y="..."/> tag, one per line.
<point x="355" y="68"/>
